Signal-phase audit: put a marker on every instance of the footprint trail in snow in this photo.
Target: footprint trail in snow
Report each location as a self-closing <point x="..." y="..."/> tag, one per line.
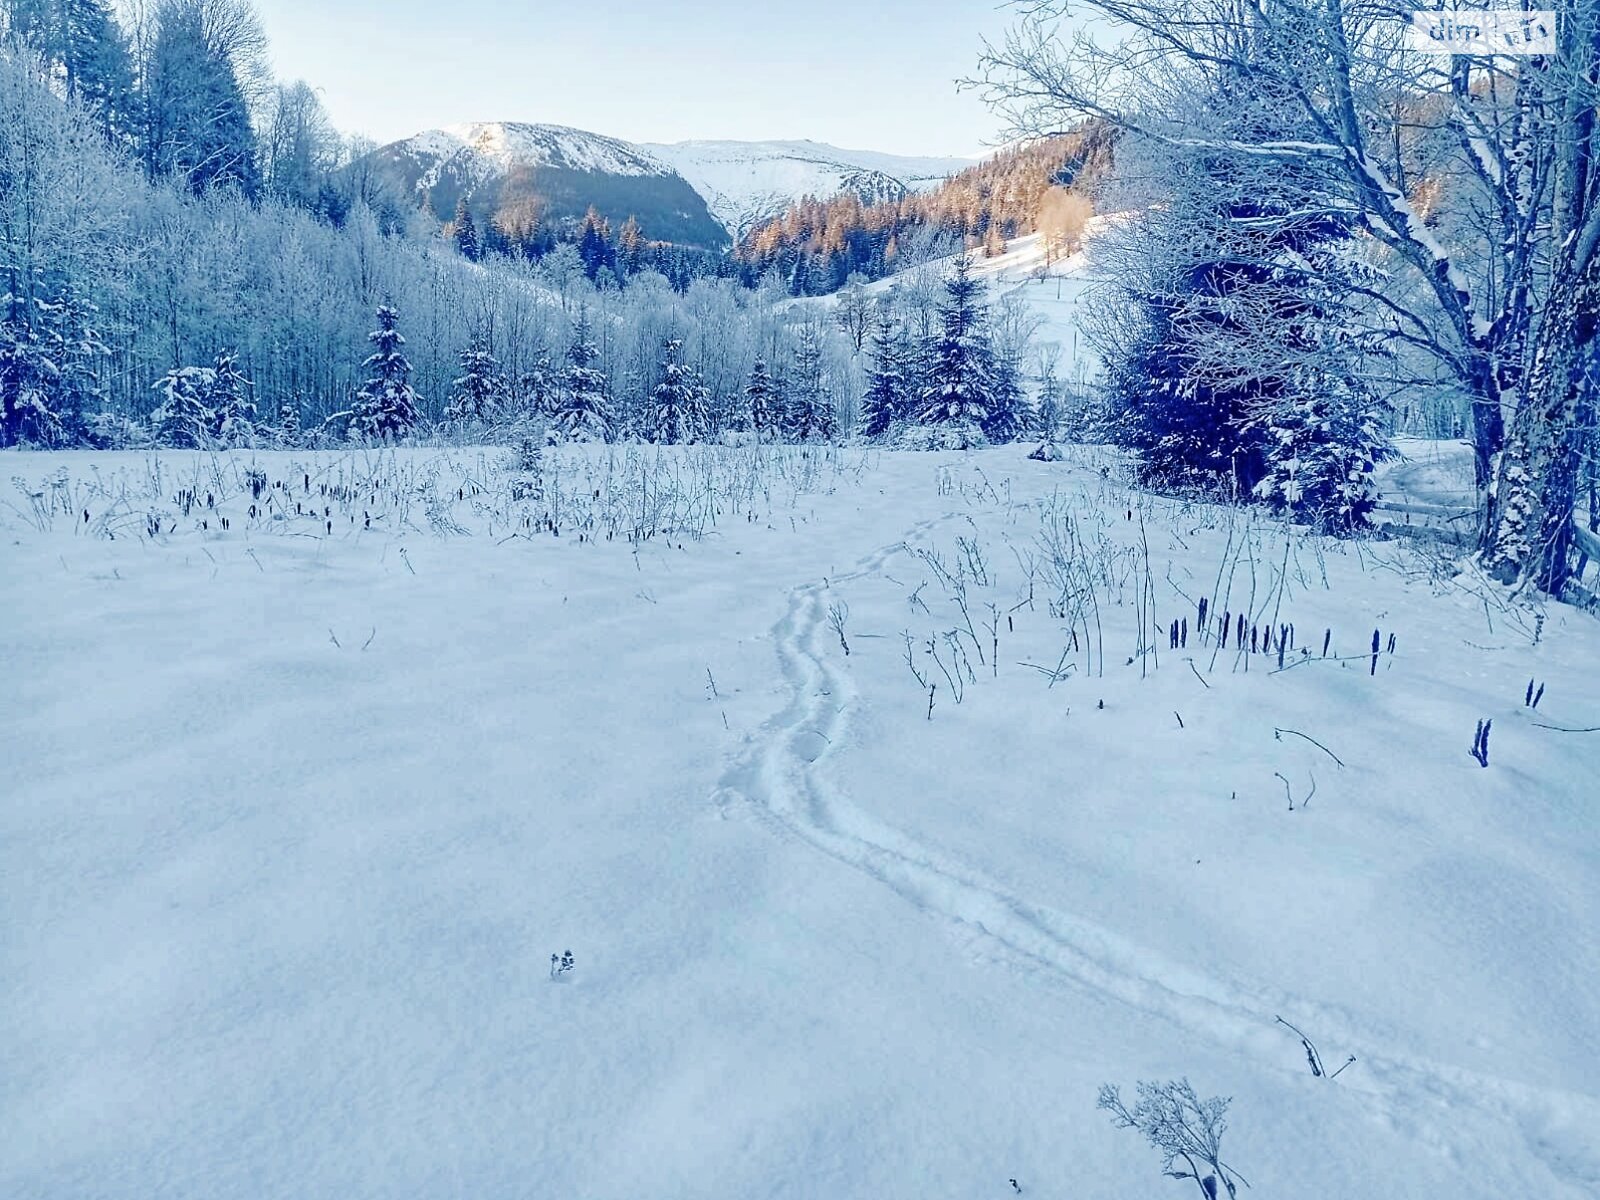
<point x="778" y="778"/>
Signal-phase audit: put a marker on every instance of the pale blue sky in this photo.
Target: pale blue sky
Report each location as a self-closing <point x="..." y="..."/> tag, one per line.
<point x="872" y="74"/>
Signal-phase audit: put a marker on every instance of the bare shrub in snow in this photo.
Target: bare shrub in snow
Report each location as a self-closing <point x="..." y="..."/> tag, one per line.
<point x="1186" y="1129"/>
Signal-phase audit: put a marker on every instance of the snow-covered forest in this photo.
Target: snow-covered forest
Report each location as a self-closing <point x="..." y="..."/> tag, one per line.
<point x="1069" y="678"/>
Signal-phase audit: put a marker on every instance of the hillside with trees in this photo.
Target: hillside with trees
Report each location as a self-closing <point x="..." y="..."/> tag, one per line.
<point x="1044" y="186"/>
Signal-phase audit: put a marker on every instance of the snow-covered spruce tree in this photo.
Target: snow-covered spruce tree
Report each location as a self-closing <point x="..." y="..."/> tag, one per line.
<point x="288" y="433"/>
<point x="1322" y="452"/>
<point x="1047" y="407"/>
<point x="464" y="232"/>
<point x="766" y="405"/>
<point x="1185" y="431"/>
<point x="49" y="358"/>
<point x="810" y="406"/>
<point x="538" y="388"/>
<point x="583" y="411"/>
<point x="1012" y="324"/>
<point x="479" y="393"/>
<point x="197" y="125"/>
<point x="1235" y="358"/>
<point x="233" y="413"/>
<point x="71" y="324"/>
<point x="1275" y="332"/>
<point x="386" y="406"/>
<point x="29" y="387"/>
<point x="86" y="51"/>
<point x="1008" y="415"/>
<point x="183" y="420"/>
<point x="957" y="396"/>
<point x="678" y="411"/>
<point x="887" y="398"/>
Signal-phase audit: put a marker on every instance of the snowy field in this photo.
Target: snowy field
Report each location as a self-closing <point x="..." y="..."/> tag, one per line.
<point x="296" y="812"/>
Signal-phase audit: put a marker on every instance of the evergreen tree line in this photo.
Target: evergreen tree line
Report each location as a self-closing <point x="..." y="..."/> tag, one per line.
<point x="609" y="259"/>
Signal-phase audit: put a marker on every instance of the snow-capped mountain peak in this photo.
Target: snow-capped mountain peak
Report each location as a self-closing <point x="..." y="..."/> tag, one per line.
<point x="706" y="190"/>
<point x="745" y="183"/>
<point x="507" y="144"/>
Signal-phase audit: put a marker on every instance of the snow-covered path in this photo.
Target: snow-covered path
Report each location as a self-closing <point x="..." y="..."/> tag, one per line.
<point x="293" y="824"/>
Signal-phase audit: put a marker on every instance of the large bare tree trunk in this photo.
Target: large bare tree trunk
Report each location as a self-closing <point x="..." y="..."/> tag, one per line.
<point x="1530" y="541"/>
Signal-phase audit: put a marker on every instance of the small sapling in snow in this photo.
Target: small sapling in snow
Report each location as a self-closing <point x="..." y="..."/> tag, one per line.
<point x="1480" y="743"/>
<point x="561" y="963"/>
<point x="838" y="614"/>
<point x="1313" y="1057"/>
<point x="1531" y="700"/>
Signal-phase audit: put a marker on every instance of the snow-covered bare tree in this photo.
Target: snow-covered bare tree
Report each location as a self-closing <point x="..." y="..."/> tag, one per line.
<point x="1373" y="127"/>
<point x="853" y="310"/>
<point x="300" y="149"/>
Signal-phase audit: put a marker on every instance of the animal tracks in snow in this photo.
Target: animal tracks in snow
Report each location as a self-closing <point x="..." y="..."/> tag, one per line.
<point x="779" y="780"/>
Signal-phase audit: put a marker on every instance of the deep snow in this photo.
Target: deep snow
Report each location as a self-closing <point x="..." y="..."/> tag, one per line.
<point x="293" y="822"/>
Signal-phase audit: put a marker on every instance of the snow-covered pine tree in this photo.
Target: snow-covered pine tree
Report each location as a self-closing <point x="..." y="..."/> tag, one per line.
<point x="957" y="395"/>
<point x="1325" y="430"/>
<point x="631" y="248"/>
<point x="480" y="392"/>
<point x="184" y="421"/>
<point x="97" y="66"/>
<point x="67" y="326"/>
<point x="464" y="232"/>
<point x="1322" y="452"/>
<point x="679" y="410"/>
<point x="538" y="388"/>
<point x="1234" y="367"/>
<point x="888" y="387"/>
<point x="386" y="406"/>
<point x="233" y="413"/>
<point x="1009" y="416"/>
<point x="289" y="428"/>
<point x="594" y="245"/>
<point x="1047" y="409"/>
<point x="766" y="405"/>
<point x="29" y="385"/>
<point x="1186" y="431"/>
<point x="583" y="411"/>
<point x="810" y="408"/>
<point x="49" y="383"/>
<point x="196" y="114"/>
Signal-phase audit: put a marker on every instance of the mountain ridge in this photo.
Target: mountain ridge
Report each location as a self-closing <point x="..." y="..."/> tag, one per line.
<point x="698" y="192"/>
